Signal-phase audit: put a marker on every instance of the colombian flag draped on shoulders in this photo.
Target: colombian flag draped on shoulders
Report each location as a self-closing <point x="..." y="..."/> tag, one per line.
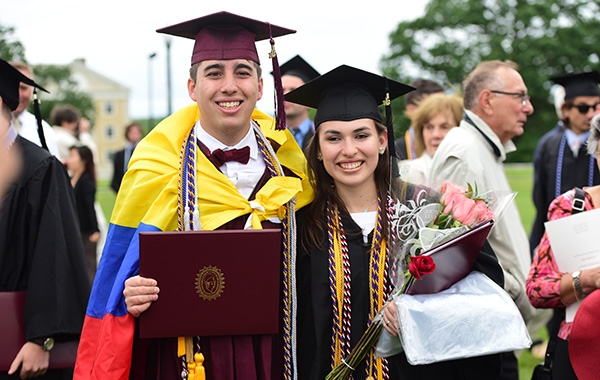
<point x="147" y="201"/>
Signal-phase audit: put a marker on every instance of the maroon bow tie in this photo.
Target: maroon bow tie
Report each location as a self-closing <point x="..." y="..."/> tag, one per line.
<point x="219" y="157"/>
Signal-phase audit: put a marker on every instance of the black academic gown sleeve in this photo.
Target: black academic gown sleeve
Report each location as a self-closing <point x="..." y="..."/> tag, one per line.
<point x="40" y="247"/>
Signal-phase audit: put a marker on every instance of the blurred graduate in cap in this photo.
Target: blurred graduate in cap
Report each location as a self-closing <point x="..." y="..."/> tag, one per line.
<point x="216" y="164"/>
<point x="295" y="73"/>
<point x="343" y="256"/>
<point x="562" y="161"/>
<point x="40" y="250"/>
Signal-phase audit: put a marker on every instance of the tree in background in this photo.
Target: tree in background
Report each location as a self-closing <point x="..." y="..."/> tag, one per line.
<point x="9" y="48"/>
<point x="48" y="76"/>
<point x="67" y="92"/>
<point x="544" y="37"/>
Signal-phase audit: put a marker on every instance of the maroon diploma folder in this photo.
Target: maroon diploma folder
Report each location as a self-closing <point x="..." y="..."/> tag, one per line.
<point x="453" y="259"/>
<point x="12" y="334"/>
<point x="224" y="282"/>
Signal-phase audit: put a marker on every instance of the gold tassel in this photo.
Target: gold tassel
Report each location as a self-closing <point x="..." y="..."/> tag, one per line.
<point x="200" y="373"/>
<point x="189" y="349"/>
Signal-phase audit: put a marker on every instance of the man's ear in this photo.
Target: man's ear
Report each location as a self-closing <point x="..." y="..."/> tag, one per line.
<point x="191" y="85"/>
<point x="486" y="102"/>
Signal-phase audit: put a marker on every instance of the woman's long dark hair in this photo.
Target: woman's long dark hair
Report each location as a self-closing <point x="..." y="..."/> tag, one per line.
<point x="314" y="225"/>
<point x="87" y="157"/>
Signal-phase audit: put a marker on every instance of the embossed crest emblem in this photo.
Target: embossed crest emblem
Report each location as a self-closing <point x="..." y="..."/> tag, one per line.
<point x="210" y="283"/>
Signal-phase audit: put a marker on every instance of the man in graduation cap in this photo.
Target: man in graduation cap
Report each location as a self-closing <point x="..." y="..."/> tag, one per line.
<point x="40" y="250"/>
<point x="24" y="122"/>
<point x="295" y="73"/>
<point x="242" y="168"/>
<point x="562" y="162"/>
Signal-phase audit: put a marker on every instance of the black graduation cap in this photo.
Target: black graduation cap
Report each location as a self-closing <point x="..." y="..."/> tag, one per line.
<point x="10" y="78"/>
<point x="580" y="84"/>
<point x="347" y="93"/>
<point x="298" y="67"/>
<point x="224" y="36"/>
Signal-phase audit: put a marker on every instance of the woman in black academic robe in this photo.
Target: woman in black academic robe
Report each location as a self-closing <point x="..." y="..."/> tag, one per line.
<point x="342" y="262"/>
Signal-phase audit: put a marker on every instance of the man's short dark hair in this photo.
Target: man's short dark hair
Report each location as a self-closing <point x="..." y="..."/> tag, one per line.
<point x="423" y="87"/>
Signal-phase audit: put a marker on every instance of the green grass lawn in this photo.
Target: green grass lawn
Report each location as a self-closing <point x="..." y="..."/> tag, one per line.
<point x="521" y="181"/>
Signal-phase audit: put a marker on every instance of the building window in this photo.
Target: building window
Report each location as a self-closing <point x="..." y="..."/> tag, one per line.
<point x="109" y="108"/>
<point x="109" y="132"/>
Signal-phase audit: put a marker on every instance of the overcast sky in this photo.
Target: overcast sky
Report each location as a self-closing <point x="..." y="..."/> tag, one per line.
<point x="116" y="38"/>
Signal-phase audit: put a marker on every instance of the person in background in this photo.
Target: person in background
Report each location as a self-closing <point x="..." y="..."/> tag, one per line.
<point x="559" y="166"/>
<point x="65" y="120"/>
<point x="547" y="286"/>
<point x="436" y="115"/>
<point x="295" y="73"/>
<point x="248" y="171"/>
<point x="561" y="161"/>
<point x="80" y="164"/>
<point x="84" y="135"/>
<point x="405" y="146"/>
<point x="39" y="253"/>
<point x="24" y="122"/>
<point x="496" y="109"/>
<point x="133" y="134"/>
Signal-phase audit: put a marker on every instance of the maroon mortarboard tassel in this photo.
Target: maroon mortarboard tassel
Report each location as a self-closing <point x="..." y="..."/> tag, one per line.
<point x="280" y="123"/>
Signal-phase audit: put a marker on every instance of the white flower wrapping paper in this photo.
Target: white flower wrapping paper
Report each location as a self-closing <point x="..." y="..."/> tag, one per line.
<point x="474" y="317"/>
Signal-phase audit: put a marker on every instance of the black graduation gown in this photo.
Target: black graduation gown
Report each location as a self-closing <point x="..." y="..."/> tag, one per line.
<point x="315" y="314"/>
<point x="574" y="173"/>
<point x="41" y="250"/>
<point x="118" y="170"/>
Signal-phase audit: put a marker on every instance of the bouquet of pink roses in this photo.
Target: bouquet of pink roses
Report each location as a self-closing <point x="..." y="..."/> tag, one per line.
<point x="422" y="219"/>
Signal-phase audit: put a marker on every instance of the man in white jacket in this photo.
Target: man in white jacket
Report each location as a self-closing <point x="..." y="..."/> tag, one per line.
<point x="496" y="108"/>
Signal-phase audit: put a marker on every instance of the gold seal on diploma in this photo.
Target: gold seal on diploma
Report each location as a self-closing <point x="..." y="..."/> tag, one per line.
<point x="210" y="283"/>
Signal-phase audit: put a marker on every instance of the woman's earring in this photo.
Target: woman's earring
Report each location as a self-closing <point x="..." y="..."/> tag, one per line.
<point x="381" y="150"/>
<point x="319" y="157"/>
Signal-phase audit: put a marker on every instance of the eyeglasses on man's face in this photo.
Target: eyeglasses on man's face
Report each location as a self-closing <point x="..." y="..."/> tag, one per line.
<point x="523" y="95"/>
<point x="585" y="108"/>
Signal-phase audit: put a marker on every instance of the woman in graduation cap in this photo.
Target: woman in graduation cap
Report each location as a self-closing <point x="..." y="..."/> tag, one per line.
<point x="343" y="258"/>
<point x="344" y="228"/>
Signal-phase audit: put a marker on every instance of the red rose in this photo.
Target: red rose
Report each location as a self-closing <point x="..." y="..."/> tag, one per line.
<point x="421" y="265"/>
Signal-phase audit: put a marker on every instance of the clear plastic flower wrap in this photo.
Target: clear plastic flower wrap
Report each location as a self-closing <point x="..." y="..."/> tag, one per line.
<point x="456" y="323"/>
